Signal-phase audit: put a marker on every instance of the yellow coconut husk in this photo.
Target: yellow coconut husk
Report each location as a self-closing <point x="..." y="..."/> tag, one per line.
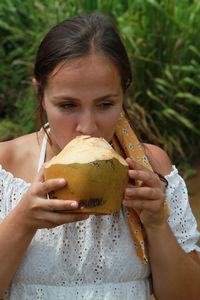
<point x="95" y="173"/>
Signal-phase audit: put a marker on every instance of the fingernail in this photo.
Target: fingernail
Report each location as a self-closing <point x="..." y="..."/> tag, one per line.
<point x="131" y="160"/>
<point x="128" y="191"/>
<point x="132" y="172"/>
<point x="74" y="204"/>
<point x="61" y="180"/>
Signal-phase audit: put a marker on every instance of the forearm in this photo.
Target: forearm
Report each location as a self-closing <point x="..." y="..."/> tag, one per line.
<point x="175" y="274"/>
<point x="14" y="241"/>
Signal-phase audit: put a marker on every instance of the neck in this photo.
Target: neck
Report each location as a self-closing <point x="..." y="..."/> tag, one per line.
<point x="52" y="148"/>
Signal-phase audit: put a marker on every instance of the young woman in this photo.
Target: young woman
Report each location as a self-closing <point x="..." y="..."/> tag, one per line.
<point x="81" y="75"/>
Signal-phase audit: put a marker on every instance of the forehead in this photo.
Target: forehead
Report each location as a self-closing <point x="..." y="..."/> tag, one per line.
<point x="84" y="78"/>
<point x="84" y="66"/>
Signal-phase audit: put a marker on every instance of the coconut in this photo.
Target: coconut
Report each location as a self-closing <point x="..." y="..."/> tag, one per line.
<point x="96" y="175"/>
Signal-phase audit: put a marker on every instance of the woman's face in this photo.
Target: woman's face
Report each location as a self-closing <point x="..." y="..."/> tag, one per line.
<point x="83" y="97"/>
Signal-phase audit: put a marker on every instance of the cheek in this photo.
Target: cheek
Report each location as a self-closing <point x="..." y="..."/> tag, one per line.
<point x="62" y="128"/>
<point x="61" y="124"/>
<point x="109" y="124"/>
<point x="112" y="119"/>
<point x="62" y="134"/>
<point x="55" y="117"/>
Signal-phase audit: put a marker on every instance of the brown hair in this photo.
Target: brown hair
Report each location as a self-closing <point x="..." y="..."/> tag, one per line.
<point x="78" y="37"/>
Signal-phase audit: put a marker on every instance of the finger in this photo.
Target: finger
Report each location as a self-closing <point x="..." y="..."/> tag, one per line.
<point x="134" y="165"/>
<point x="46" y="187"/>
<point x="55" y="218"/>
<point x="40" y="175"/>
<point x="153" y="206"/>
<point x="57" y="205"/>
<point x="144" y="193"/>
<point x="147" y="177"/>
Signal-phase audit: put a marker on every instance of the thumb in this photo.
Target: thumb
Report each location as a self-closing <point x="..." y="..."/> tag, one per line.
<point x="40" y="175"/>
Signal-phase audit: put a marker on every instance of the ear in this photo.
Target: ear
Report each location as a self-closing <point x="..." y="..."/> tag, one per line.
<point x="35" y="84"/>
<point x="34" y="81"/>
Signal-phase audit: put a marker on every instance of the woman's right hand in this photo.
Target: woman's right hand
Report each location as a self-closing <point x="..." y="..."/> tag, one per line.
<point x="35" y="211"/>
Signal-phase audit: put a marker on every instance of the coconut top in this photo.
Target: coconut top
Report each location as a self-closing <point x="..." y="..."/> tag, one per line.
<point x="85" y="149"/>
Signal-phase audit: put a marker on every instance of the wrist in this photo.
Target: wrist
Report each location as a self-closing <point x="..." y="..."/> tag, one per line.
<point x="157" y="229"/>
<point x="17" y="220"/>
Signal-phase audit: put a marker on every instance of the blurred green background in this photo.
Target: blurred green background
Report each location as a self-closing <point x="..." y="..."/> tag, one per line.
<point x="163" y="42"/>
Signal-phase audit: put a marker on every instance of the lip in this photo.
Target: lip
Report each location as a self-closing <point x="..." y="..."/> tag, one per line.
<point x="91" y="135"/>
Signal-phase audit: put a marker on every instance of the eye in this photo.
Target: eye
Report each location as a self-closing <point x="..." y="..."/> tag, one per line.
<point x="68" y="105"/>
<point x="105" y="105"/>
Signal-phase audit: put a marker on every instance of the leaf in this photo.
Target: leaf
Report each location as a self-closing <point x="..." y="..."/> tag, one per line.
<point x="165" y="83"/>
<point x="152" y="96"/>
<point x="174" y="140"/>
<point x="5" y="26"/>
<point x="194" y="50"/>
<point x="155" y="4"/>
<point x="192" y="82"/>
<point x="169" y="75"/>
<point x="170" y="113"/>
<point x="188" y="96"/>
<point x="188" y="68"/>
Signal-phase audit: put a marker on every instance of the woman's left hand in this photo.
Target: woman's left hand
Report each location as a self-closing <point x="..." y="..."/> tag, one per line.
<point x="148" y="199"/>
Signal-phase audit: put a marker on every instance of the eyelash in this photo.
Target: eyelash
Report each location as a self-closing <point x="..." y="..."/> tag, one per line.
<point x="103" y="105"/>
<point x="67" y="105"/>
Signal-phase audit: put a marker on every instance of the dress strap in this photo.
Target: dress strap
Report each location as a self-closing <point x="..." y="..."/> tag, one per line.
<point x="43" y="150"/>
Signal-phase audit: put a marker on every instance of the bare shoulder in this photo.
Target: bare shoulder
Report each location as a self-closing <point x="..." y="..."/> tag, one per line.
<point x="17" y="154"/>
<point x="158" y="159"/>
<point x="8" y="151"/>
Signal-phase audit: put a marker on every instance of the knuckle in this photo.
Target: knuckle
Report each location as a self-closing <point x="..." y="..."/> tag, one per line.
<point x="162" y="196"/>
<point x="141" y="173"/>
<point x="40" y="218"/>
<point x="163" y="186"/>
<point x="50" y="206"/>
<point x="35" y="206"/>
<point x="53" y="221"/>
<point x="45" y="186"/>
<point x="152" y="193"/>
<point x="156" y="177"/>
<point x="160" y="205"/>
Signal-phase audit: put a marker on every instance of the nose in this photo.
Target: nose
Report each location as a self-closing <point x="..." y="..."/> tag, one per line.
<point x="87" y="123"/>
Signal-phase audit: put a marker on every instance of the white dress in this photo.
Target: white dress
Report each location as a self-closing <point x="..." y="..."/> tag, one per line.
<point x="91" y="259"/>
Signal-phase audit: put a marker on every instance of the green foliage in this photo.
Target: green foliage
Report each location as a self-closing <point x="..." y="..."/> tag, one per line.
<point x="164" y="47"/>
<point x="8" y="129"/>
<point x="162" y="40"/>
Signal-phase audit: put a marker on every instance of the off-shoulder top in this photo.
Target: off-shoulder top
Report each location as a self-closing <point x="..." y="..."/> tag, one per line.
<point x="94" y="258"/>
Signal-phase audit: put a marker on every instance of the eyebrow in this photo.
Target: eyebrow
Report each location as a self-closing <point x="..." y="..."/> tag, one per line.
<point x="65" y="97"/>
